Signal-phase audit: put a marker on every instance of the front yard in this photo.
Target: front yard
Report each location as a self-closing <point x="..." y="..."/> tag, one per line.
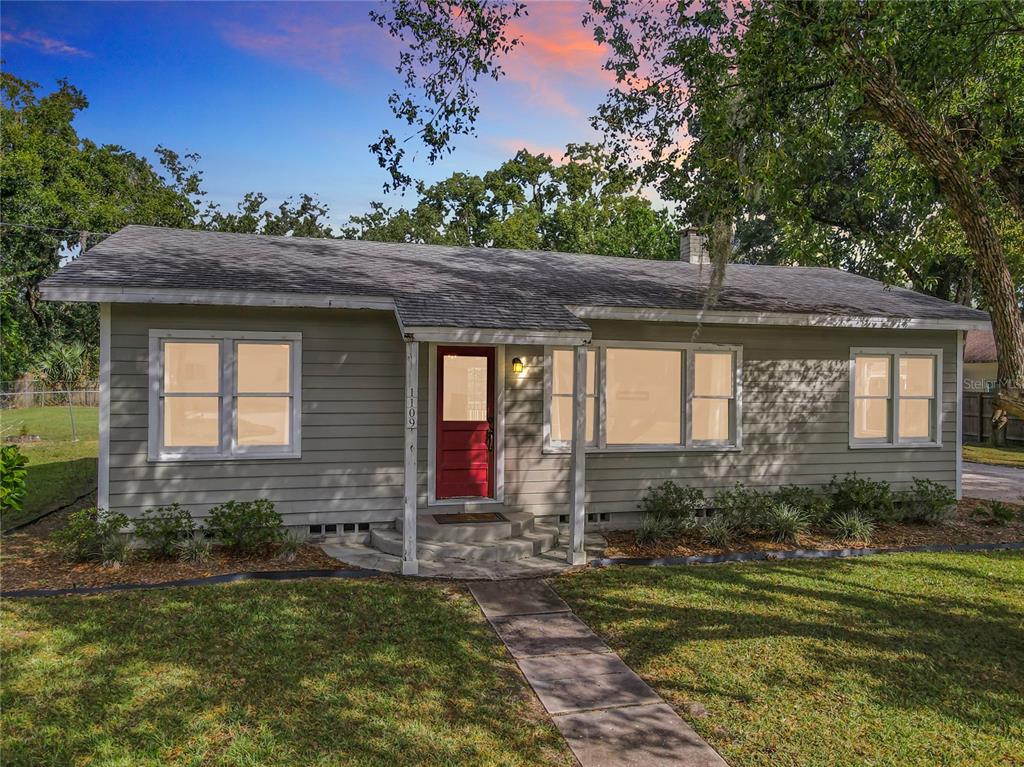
<point x="890" y="660"/>
<point x="314" y="673"/>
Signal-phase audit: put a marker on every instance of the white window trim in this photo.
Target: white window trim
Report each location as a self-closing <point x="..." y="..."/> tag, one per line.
<point x="228" y="449"/>
<point x="565" y="446"/>
<point x="894" y="354"/>
<point x="688" y="445"/>
<point x="499" y="428"/>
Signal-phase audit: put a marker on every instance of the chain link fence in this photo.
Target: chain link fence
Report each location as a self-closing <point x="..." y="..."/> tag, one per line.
<point x="29" y="393"/>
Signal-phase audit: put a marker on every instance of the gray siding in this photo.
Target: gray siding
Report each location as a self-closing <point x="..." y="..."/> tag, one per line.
<point x="353" y="376"/>
<point x="795" y="420"/>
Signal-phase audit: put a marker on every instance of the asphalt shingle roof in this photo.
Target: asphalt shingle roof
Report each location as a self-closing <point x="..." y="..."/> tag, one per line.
<point x="475" y="287"/>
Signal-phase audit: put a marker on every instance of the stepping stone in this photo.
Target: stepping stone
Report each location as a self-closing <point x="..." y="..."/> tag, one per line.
<point x="502" y="599"/>
<point x="550" y="668"/>
<point x="636" y="736"/>
<point x="551" y="634"/>
<point x="585" y="693"/>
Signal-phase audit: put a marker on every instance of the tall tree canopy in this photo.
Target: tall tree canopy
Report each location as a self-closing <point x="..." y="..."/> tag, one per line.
<point x="583" y="205"/>
<point x="821" y="129"/>
<point x="60" y="192"/>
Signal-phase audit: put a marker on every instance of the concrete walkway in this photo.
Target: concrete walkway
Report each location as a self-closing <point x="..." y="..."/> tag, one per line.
<point x="992" y="483"/>
<point x="607" y="714"/>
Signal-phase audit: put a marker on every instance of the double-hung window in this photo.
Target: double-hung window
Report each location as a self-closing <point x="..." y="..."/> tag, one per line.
<point x="224" y="395"/>
<point x="895" y="397"/>
<point x="648" y="397"/>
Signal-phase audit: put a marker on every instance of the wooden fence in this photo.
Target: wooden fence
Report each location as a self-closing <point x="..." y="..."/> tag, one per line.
<point x="977" y="420"/>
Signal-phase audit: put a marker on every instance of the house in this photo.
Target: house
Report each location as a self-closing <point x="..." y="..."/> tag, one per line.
<point x="980" y="369"/>
<point x="378" y="386"/>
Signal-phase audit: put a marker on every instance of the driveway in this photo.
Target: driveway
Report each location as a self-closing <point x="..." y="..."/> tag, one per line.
<point x="992" y="483"/>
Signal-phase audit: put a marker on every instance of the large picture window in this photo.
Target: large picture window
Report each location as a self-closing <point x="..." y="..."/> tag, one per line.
<point x="224" y="395"/>
<point x="647" y="397"/>
<point x="895" y="397"/>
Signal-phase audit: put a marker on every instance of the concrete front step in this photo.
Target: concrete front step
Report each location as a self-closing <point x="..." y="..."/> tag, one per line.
<point x="429" y="529"/>
<point x="530" y="543"/>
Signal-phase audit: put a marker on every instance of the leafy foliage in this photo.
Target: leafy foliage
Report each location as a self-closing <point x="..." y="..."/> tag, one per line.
<point x="813" y="503"/>
<point x="245" y="527"/>
<point x="13" y="473"/>
<point x="859" y="495"/>
<point x="745" y="508"/>
<point x="92" y="535"/>
<point x="928" y="502"/>
<point x="163" y="528"/>
<point x="994" y="513"/>
<point x="672" y="502"/>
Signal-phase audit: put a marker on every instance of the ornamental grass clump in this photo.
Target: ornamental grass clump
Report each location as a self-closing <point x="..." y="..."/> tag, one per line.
<point x="785" y="523"/>
<point x="196" y="549"/>
<point x="852" y="526"/>
<point x="718" y="531"/>
<point x="813" y="503"/>
<point x="653" y="530"/>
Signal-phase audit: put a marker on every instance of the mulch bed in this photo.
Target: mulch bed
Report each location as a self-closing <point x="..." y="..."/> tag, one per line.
<point x="961" y="529"/>
<point x="27" y="561"/>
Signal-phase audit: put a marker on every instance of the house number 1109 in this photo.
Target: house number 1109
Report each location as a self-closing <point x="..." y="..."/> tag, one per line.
<point x="411" y="410"/>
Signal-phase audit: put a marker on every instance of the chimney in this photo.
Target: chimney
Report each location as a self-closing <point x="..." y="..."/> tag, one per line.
<point x="693" y="247"/>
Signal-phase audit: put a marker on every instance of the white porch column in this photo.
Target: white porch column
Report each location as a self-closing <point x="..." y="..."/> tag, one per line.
<point x="103" y="469"/>
<point x="577" y="475"/>
<point x="410" y="565"/>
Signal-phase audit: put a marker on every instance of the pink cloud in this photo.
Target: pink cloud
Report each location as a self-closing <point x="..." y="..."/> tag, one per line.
<point x="42" y="43"/>
<point x="327" y="47"/>
<point x="513" y="145"/>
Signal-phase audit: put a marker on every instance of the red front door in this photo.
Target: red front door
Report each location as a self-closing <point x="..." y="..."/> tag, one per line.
<point x="465" y="422"/>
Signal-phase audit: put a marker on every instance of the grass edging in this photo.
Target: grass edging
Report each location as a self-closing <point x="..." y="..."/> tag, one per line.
<point x="761" y="555"/>
<point x="260" y="575"/>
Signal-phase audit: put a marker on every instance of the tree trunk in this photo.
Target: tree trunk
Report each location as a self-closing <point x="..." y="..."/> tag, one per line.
<point x="938" y="154"/>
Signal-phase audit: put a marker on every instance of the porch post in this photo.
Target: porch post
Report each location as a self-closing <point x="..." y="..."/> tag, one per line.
<point x="410" y="565"/>
<point x="577" y="480"/>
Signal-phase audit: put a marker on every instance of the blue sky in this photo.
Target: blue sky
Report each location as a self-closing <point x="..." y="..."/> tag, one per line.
<point x="284" y="98"/>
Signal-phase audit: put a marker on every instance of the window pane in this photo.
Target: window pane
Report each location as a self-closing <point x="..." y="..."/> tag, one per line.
<point x="917" y="376"/>
<point x="871" y="419"/>
<point x="712" y="374"/>
<point x="591" y="411"/>
<point x="465" y="388"/>
<point x="915" y="418"/>
<point x="190" y="367"/>
<point x="871" y="375"/>
<point x="264" y="420"/>
<point x="561" y="419"/>
<point x="264" y="368"/>
<point x="711" y="420"/>
<point x="191" y="421"/>
<point x="643" y="397"/>
<point x="561" y="374"/>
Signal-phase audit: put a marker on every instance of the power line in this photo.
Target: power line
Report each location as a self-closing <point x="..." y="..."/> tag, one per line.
<point x="53" y="229"/>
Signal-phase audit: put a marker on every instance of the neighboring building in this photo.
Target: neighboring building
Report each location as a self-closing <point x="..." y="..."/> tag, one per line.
<point x="361" y="384"/>
<point x="980" y="373"/>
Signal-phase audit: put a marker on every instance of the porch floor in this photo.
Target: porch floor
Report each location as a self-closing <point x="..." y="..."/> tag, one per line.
<point x="549" y="563"/>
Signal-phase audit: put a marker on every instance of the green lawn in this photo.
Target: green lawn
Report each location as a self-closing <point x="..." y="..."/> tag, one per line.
<point x="324" y="673"/>
<point x="896" y="660"/>
<point x="1000" y="456"/>
<point x="59" y="470"/>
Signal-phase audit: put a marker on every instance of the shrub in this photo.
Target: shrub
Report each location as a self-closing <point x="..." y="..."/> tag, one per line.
<point x="996" y="513"/>
<point x="115" y="550"/>
<point x="670" y="501"/>
<point x="853" y="526"/>
<point x="744" y="508"/>
<point x="90" y="534"/>
<point x="928" y="502"/>
<point x="813" y="503"/>
<point x="290" y="546"/>
<point x="162" y="528"/>
<point x="785" y="523"/>
<point x="195" y="549"/>
<point x="12" y="478"/>
<point x="654" y="529"/>
<point x="872" y="499"/>
<point x="718" y="531"/>
<point x="245" y="526"/>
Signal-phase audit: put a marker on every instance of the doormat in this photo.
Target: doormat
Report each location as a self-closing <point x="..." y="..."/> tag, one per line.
<point x="461" y="519"/>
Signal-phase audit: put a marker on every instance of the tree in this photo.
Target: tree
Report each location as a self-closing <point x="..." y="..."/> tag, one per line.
<point x="305" y="218"/>
<point x="63" y="366"/>
<point x="585" y="204"/>
<point x="725" y="107"/>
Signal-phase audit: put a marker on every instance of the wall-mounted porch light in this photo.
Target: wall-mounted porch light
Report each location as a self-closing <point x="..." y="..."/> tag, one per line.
<point x="517" y="365"/>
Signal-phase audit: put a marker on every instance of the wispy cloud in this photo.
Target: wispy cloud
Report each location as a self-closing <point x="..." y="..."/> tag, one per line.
<point x="333" y="48"/>
<point x="41" y="42"/>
